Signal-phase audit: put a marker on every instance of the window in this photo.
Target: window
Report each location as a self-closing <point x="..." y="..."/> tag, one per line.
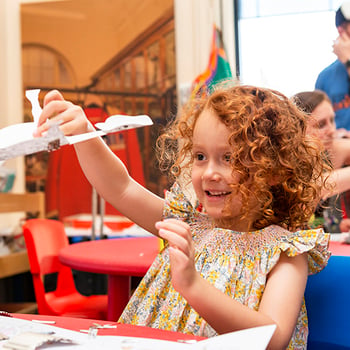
<point x="44" y="67"/>
<point x="284" y="44"/>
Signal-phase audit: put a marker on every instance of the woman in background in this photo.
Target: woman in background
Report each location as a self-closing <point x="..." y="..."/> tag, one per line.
<point x="322" y="124"/>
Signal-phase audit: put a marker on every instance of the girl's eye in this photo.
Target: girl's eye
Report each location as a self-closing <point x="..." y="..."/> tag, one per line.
<point x="227" y="158"/>
<point x="199" y="156"/>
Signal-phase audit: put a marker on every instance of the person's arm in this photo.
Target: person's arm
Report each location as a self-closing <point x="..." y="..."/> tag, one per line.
<point x="340" y="182"/>
<point x="340" y="152"/>
<point x="280" y="304"/>
<point x="340" y="176"/>
<point x="103" y="169"/>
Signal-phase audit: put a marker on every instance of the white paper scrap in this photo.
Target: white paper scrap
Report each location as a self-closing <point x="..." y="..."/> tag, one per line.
<point x="33" y="97"/>
<point x="18" y="140"/>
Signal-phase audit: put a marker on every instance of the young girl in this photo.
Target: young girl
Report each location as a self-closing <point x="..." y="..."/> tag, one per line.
<point x="239" y="258"/>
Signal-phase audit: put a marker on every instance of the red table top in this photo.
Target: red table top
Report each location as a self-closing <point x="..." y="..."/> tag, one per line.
<point x="338" y="248"/>
<point x="121" y="256"/>
<point x="126" y="330"/>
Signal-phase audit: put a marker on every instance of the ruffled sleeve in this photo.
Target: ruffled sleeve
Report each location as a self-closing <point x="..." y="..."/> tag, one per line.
<point x="315" y="242"/>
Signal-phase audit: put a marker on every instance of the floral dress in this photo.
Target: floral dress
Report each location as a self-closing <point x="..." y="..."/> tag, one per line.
<point x="237" y="263"/>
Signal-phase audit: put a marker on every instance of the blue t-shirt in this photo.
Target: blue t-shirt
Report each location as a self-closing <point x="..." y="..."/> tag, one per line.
<point x="334" y="81"/>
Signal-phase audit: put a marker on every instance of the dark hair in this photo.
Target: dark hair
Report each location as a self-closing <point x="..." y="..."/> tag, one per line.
<point x="341" y="15"/>
<point x="280" y="166"/>
<point x="307" y="101"/>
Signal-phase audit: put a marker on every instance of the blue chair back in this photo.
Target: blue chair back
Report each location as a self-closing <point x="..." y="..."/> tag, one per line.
<point x="327" y="299"/>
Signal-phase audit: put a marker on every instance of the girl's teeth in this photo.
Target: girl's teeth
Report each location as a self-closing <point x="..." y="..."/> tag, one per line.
<point x="217" y="193"/>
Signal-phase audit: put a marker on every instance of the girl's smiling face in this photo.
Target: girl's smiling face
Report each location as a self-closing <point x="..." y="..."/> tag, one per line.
<point x="212" y="171"/>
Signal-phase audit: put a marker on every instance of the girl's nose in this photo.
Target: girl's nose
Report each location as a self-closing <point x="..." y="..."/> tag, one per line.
<point x="211" y="173"/>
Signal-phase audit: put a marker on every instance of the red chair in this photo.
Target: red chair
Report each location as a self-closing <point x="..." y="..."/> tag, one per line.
<point x="44" y="239"/>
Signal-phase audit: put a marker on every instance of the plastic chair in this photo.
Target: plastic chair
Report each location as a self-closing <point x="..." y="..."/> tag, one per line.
<point x="328" y="307"/>
<point x="44" y="239"/>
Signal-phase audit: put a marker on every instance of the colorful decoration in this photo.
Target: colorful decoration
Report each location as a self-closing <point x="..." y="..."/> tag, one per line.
<point x="218" y="67"/>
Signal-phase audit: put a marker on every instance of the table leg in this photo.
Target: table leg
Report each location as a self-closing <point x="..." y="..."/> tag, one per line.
<point x="118" y="295"/>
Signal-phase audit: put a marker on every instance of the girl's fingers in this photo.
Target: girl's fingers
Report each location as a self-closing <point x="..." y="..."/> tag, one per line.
<point x="174" y="225"/>
<point x="53" y="95"/>
<point x="177" y="257"/>
<point x="177" y="233"/>
<point x="181" y="252"/>
<point x="173" y="238"/>
<point x="67" y="115"/>
<point x="53" y="110"/>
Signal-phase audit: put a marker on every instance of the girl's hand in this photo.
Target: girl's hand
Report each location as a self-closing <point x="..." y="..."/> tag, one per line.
<point x="71" y="118"/>
<point x="181" y="251"/>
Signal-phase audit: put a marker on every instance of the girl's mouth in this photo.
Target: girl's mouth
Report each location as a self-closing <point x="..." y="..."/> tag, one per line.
<point x="217" y="193"/>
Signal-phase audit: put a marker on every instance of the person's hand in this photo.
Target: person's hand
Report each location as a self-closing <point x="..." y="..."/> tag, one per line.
<point x="71" y="118"/>
<point x="345" y="225"/>
<point x="181" y="251"/>
<point x="341" y="47"/>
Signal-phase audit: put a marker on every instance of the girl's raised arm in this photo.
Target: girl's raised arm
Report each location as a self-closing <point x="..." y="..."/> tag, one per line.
<point x="104" y="170"/>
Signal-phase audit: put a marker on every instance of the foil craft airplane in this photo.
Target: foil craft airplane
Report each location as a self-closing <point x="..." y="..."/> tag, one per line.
<point x="18" y="140"/>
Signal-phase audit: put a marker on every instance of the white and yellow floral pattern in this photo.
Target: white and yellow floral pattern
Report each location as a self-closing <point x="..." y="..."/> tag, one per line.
<point x="236" y="263"/>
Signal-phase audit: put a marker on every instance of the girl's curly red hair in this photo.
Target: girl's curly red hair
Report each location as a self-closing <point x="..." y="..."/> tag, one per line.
<point x="280" y="166"/>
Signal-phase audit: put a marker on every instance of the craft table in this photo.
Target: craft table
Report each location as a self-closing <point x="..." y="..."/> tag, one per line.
<point x="118" y="258"/>
<point x="338" y="248"/>
<point x="126" y="330"/>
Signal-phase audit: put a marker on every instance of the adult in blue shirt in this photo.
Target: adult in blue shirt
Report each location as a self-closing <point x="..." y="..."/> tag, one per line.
<point x="334" y="80"/>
